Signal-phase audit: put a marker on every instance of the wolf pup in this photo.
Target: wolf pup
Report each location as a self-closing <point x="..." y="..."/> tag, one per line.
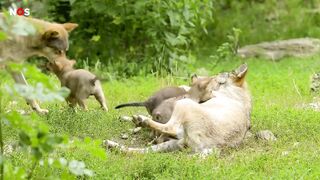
<point x="81" y="83"/>
<point x="223" y="118"/>
<point x="153" y="102"/>
<point x="49" y="40"/>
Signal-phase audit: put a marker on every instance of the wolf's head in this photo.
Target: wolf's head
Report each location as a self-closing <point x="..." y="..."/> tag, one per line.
<point x="202" y="88"/>
<point x="55" y="39"/>
<point x="60" y="65"/>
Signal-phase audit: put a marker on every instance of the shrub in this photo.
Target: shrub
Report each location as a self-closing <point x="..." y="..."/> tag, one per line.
<point x="139" y="35"/>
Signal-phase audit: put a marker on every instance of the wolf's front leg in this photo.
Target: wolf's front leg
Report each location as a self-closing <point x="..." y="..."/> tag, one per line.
<point x="169" y="146"/>
<point x="72" y="102"/>
<point x="20" y="79"/>
<point x="167" y="128"/>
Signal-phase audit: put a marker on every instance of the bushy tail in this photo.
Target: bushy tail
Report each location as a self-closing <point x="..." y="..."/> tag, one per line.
<point x="130" y="104"/>
<point x="92" y="81"/>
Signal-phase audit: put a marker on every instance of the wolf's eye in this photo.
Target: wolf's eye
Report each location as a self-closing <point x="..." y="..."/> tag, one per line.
<point x="59" y="52"/>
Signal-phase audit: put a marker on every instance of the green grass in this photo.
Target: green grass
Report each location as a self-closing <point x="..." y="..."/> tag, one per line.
<point x="262" y="21"/>
<point x="278" y="90"/>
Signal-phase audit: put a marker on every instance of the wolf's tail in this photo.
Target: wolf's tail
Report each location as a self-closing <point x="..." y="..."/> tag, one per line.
<point x="92" y="81"/>
<point x="130" y="104"/>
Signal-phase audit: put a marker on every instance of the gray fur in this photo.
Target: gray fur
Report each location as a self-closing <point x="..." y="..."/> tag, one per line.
<point x="157" y="98"/>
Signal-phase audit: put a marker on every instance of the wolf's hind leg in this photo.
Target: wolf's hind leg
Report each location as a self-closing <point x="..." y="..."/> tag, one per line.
<point x="82" y="104"/>
<point x="169" y="146"/>
<point x="72" y="102"/>
<point x="101" y="99"/>
<point x="167" y="128"/>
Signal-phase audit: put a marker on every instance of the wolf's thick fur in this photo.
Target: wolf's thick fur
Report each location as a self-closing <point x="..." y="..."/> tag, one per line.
<point x="81" y="83"/>
<point x="50" y="40"/>
<point x="160" y="106"/>
<point x="220" y="121"/>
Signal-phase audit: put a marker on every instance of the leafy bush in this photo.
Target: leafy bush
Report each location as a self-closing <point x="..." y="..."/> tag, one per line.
<point x="139" y="35"/>
<point x="34" y="136"/>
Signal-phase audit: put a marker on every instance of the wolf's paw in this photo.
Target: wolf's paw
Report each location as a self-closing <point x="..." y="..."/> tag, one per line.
<point x="266" y="135"/>
<point x="110" y="144"/>
<point x="35" y="106"/>
<point x="140" y="120"/>
<point x="105" y="109"/>
<point x="42" y="111"/>
<point x="125" y="118"/>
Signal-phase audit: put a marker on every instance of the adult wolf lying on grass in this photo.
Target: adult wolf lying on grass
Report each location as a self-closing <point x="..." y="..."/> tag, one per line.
<point x="222" y="120"/>
<point x="160" y="106"/>
<point x="49" y="40"/>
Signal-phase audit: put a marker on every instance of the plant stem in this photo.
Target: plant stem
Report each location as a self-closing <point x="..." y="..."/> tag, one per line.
<point x="32" y="169"/>
<point x="1" y="142"/>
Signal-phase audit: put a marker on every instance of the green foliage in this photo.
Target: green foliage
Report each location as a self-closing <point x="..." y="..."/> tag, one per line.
<point x="3" y="36"/>
<point x="111" y="36"/>
<point x="141" y="36"/>
<point x="91" y="146"/>
<point x="18" y="26"/>
<point x="34" y="135"/>
<point x="227" y="50"/>
<point x="277" y="106"/>
<point x="262" y="20"/>
<point x="234" y="40"/>
<point x="44" y="91"/>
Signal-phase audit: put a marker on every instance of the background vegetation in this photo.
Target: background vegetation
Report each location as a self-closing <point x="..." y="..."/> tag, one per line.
<point x="159" y="36"/>
<point x="280" y="91"/>
<point x="130" y="43"/>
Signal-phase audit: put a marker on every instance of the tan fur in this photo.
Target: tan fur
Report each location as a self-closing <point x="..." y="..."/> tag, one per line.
<point x="81" y="83"/>
<point x="50" y="40"/>
<point x="220" y="121"/>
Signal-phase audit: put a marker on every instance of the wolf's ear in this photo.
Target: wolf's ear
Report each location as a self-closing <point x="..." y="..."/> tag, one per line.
<point x="50" y="34"/>
<point x="194" y="78"/>
<point x="59" y="65"/>
<point x="240" y="74"/>
<point x="204" y="83"/>
<point x="69" y="26"/>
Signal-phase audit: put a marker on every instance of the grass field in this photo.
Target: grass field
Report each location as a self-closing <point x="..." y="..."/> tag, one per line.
<point x="279" y="89"/>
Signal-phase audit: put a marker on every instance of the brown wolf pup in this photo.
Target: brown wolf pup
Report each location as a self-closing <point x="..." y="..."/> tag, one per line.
<point x="220" y="121"/>
<point x="81" y="83"/>
<point x="49" y="40"/>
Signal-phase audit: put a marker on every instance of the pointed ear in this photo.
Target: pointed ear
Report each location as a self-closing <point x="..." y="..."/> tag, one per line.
<point x="204" y="83"/>
<point x="59" y="65"/>
<point x="240" y="74"/>
<point x="194" y="78"/>
<point x="69" y="26"/>
<point x="50" y="34"/>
